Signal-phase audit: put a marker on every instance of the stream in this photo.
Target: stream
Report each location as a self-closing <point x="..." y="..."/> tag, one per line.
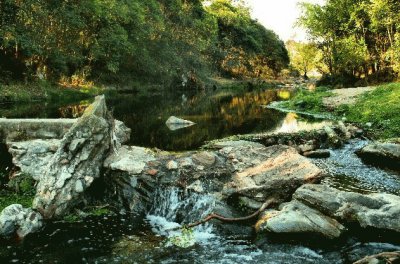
<point x="124" y="238"/>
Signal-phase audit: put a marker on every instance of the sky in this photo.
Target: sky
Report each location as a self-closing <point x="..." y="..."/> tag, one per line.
<point x="280" y="16"/>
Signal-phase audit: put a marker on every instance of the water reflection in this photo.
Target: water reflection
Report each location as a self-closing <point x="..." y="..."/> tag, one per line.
<point x="216" y="115"/>
<point x="292" y="124"/>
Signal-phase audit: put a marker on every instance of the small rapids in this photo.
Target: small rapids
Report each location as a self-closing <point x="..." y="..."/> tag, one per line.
<point x="349" y="173"/>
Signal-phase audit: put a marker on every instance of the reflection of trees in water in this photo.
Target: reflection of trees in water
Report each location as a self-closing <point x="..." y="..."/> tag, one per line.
<point x="216" y="116"/>
<point x="44" y="110"/>
<point x="73" y="111"/>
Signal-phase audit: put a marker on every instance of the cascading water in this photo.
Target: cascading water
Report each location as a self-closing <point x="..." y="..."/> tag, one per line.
<point x="173" y="208"/>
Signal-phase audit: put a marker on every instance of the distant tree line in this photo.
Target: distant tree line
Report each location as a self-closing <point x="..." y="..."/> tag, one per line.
<point x="357" y="38"/>
<point x="155" y="41"/>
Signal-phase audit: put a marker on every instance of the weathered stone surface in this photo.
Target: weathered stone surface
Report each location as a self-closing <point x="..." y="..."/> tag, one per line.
<point x="25" y="129"/>
<point x="377" y="210"/>
<point x="175" y="123"/>
<point x="382" y="153"/>
<point x="23" y="221"/>
<point x="295" y="217"/>
<point x="76" y="163"/>
<point x="275" y="171"/>
<point x="306" y="148"/>
<point x="205" y="158"/>
<point x="172" y="165"/>
<point x="33" y="156"/>
<point x="121" y="133"/>
<point x="129" y="159"/>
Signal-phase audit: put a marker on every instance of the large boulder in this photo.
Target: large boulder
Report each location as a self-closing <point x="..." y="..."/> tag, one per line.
<point x="19" y="220"/>
<point x="377" y="210"/>
<point x="385" y="154"/>
<point x="265" y="172"/>
<point x="77" y="162"/>
<point x="295" y="217"/>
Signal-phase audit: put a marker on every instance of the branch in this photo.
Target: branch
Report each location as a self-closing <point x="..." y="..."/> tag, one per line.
<point x="389" y="257"/>
<point x="225" y="219"/>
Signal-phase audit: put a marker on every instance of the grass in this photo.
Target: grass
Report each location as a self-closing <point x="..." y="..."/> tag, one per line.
<point x="308" y="101"/>
<point x="44" y="91"/>
<point x="380" y="107"/>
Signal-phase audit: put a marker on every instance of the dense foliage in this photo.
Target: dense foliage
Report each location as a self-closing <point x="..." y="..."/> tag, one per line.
<point x="358" y="38"/>
<point x="116" y="41"/>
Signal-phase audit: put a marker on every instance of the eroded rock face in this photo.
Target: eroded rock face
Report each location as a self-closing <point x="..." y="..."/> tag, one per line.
<point x="129" y="183"/>
<point x="76" y="163"/>
<point x="295" y="217"/>
<point x="382" y="153"/>
<point x="276" y="171"/>
<point x="16" y="219"/>
<point x="33" y="156"/>
<point x="377" y="210"/>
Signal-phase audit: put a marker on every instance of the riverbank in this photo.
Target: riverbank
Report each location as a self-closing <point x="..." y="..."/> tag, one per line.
<point x="45" y="91"/>
<point x="375" y="109"/>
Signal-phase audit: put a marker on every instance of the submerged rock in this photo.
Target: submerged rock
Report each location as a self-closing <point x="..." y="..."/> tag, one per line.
<point x="16" y="219"/>
<point x="377" y="210"/>
<point x="295" y="217"/>
<point x="77" y="162"/>
<point x="385" y="154"/>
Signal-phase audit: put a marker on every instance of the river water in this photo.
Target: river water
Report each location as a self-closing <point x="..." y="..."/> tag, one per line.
<point x="129" y="239"/>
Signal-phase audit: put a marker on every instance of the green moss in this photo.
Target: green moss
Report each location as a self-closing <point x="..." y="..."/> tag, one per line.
<point x="22" y="184"/>
<point x="380" y="107"/>
<point x="8" y="198"/>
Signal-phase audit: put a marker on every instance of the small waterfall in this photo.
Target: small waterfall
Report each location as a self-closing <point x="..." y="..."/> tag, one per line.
<point x="173" y="208"/>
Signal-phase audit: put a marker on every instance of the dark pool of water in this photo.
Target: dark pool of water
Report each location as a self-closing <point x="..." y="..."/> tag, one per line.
<point x="216" y="115"/>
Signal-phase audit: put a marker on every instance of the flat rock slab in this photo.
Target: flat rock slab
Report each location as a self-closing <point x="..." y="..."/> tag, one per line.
<point x="377" y="210"/>
<point x="26" y="129"/>
<point x="278" y="170"/>
<point x="129" y="159"/>
<point x="295" y="217"/>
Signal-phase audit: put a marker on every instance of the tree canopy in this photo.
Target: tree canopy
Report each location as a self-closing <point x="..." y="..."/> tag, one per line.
<point x="358" y="37"/>
<point x="146" y="41"/>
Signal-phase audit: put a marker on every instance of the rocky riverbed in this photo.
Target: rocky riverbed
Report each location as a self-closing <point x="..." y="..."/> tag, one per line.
<point x="233" y="178"/>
